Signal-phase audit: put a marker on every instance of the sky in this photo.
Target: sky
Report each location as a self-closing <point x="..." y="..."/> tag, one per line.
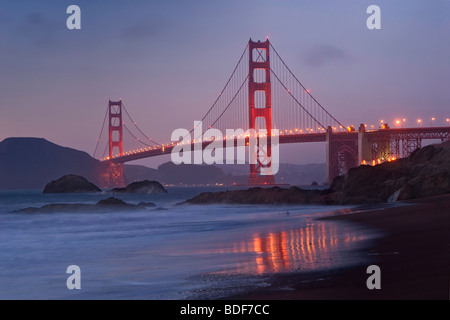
<point x="168" y="60"/>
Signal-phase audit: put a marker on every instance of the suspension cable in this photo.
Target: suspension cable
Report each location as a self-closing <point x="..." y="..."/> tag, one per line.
<point x="136" y="126"/>
<point x="137" y="139"/>
<point x="298" y="81"/>
<point x="225" y="87"/>
<point x="288" y="91"/>
<point x="239" y="90"/>
<point x="101" y="132"/>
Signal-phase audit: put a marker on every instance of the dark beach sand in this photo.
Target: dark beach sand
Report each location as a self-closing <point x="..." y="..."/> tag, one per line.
<point x="414" y="257"/>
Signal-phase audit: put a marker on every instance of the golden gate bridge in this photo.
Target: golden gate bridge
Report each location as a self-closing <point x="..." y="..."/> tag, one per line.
<point x="263" y="93"/>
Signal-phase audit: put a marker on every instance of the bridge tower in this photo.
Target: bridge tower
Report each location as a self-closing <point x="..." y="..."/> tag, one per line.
<point x="115" y="171"/>
<point x="259" y="59"/>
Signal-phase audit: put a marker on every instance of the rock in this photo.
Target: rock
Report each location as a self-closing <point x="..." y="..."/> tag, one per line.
<point x="314" y="184"/>
<point x="71" y="184"/>
<point x="426" y="186"/>
<point x="142" y="187"/>
<point x="103" y="206"/>
<point x="426" y="172"/>
<point x="147" y="204"/>
<point x="56" y="208"/>
<point x="111" y="202"/>
<point x="275" y="195"/>
<point x="160" y="209"/>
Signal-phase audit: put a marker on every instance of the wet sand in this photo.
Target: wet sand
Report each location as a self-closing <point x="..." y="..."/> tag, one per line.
<point x="414" y="257"/>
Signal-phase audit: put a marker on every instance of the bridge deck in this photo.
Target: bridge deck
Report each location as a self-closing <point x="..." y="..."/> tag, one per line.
<point x="374" y="135"/>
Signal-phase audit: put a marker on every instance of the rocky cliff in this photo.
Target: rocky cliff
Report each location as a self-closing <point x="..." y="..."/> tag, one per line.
<point x="426" y="172"/>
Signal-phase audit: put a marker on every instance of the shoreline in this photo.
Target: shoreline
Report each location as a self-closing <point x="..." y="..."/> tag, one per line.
<point x="413" y="255"/>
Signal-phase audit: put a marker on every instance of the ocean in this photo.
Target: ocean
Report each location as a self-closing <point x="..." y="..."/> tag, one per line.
<point x="167" y="252"/>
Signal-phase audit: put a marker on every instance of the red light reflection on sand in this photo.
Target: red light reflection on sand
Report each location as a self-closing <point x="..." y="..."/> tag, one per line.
<point x="313" y="246"/>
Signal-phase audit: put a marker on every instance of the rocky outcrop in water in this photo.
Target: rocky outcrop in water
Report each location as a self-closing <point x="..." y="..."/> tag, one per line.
<point x="147" y="204"/>
<point x="106" y="205"/>
<point x="426" y="172"/>
<point x="275" y="195"/>
<point x="71" y="184"/>
<point x="142" y="187"/>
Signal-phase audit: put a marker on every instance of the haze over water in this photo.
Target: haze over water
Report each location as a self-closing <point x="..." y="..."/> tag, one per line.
<point x="172" y="252"/>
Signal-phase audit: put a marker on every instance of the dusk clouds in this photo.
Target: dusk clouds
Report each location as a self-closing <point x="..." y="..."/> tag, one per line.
<point x="169" y="59"/>
<point x="37" y="29"/>
<point x="321" y="55"/>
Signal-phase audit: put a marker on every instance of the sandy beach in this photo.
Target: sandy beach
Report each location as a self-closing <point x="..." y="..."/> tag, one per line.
<point x="413" y="255"/>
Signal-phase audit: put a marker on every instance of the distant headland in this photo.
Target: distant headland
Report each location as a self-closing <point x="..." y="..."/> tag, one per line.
<point x="30" y="163"/>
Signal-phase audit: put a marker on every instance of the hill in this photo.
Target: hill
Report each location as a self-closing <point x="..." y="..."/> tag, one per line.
<point x="30" y="163"/>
